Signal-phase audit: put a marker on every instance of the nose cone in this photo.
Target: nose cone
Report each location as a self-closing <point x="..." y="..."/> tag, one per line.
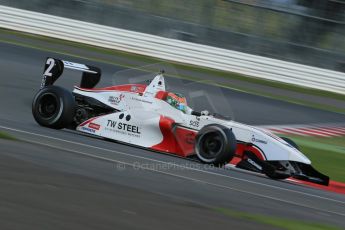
<point x="296" y="155"/>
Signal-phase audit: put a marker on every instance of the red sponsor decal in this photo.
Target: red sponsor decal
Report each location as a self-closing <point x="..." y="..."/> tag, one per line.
<point x="94" y="126"/>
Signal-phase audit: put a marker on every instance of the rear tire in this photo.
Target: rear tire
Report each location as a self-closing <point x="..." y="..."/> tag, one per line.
<point x="215" y="144"/>
<point x="54" y="107"/>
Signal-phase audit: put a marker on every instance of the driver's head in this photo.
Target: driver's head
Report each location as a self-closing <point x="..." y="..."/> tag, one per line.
<point x="178" y="101"/>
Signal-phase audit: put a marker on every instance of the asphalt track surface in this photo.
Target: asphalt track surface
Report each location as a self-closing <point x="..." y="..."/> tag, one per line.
<point x="63" y="180"/>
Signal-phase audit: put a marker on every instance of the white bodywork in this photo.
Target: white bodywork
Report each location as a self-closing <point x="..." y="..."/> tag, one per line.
<point x="139" y="114"/>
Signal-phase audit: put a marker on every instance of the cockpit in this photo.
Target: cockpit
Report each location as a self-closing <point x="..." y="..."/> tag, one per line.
<point x="176" y="100"/>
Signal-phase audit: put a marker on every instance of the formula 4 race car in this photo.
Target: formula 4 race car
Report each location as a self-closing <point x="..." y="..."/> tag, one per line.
<point x="149" y="116"/>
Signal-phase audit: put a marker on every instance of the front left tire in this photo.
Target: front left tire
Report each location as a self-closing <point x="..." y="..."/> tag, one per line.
<point x="215" y="144"/>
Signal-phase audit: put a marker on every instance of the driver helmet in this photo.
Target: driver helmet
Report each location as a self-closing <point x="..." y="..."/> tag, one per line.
<point x="177" y="101"/>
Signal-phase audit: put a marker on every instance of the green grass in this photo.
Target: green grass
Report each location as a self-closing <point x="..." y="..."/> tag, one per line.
<point x="327" y="154"/>
<point x="282" y="223"/>
<point x="123" y="57"/>
<point x="6" y="136"/>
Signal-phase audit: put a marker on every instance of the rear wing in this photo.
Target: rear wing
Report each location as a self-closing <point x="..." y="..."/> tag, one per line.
<point x="54" y="68"/>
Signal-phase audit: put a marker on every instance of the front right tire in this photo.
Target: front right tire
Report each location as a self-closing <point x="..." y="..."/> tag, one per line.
<point x="290" y="142"/>
<point x="54" y="107"/>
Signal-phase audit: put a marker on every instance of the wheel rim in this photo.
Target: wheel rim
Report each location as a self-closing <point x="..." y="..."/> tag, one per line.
<point x="212" y="145"/>
<point x="48" y="106"/>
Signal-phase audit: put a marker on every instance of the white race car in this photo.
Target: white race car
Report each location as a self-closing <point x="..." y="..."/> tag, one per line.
<point x="151" y="117"/>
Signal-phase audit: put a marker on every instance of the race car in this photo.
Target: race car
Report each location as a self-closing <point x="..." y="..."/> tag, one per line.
<point x="149" y="116"/>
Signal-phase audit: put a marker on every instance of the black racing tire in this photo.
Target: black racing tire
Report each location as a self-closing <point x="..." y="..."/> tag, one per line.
<point x="291" y="142"/>
<point x="215" y="144"/>
<point x="270" y="170"/>
<point x="54" y="107"/>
